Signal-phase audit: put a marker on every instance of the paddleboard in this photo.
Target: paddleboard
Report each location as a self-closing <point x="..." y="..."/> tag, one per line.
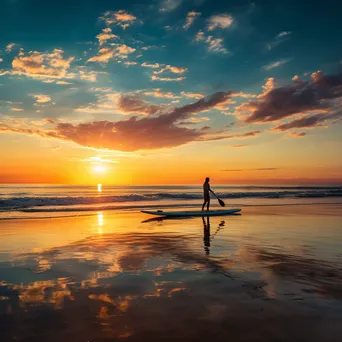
<point x="191" y="213"/>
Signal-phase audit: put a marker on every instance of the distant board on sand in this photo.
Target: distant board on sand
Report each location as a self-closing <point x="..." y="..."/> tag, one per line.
<point x="191" y="213"/>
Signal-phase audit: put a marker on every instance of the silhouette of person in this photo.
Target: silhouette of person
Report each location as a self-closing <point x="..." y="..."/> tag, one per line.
<point x="206" y="193"/>
<point x="206" y="235"/>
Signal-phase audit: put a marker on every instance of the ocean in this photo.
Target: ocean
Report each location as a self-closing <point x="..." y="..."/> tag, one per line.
<point x="20" y="200"/>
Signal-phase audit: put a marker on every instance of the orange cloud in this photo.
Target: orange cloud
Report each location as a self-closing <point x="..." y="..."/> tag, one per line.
<point x="124" y="49"/>
<point x="192" y="95"/>
<point x="214" y="44"/>
<point x="167" y="79"/>
<point x="220" y="21"/>
<point x="10" y="47"/>
<point x="40" y="65"/>
<point x="17" y="109"/>
<point x="106" y="35"/>
<point x="190" y="18"/>
<point x="130" y="63"/>
<point x="154" y="66"/>
<point x="121" y="18"/>
<point x="40" y="98"/>
<point x="104" y="55"/>
<point x="173" y="69"/>
<point x="158" y="93"/>
<point x="63" y="82"/>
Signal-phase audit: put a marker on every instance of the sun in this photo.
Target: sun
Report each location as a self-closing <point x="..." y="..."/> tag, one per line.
<point x="99" y="168"/>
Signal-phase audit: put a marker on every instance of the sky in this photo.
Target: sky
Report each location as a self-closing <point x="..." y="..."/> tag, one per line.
<point x="170" y="92"/>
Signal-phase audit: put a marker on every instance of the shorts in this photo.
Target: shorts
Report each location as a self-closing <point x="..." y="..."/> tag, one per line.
<point x="206" y="197"/>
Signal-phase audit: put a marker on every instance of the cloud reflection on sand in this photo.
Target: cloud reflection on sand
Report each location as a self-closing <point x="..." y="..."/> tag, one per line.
<point x="165" y="283"/>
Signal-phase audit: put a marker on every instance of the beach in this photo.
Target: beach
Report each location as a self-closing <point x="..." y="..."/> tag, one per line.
<point x="272" y="273"/>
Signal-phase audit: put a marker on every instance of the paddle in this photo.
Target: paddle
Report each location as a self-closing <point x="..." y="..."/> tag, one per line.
<point x="222" y="204"/>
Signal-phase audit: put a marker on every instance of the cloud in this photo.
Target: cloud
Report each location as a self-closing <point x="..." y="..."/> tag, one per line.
<point x="151" y="132"/>
<point x="169" y="5"/>
<point x="153" y="66"/>
<point x="104" y="55"/>
<point x="194" y="121"/>
<point x="124" y="49"/>
<point x="214" y="44"/>
<point x="297" y="134"/>
<point x="121" y="18"/>
<point x="41" y="98"/>
<point x="258" y="169"/>
<point x="224" y="136"/>
<point x="160" y="94"/>
<point x="308" y="121"/>
<point x="244" y="95"/>
<point x="105" y="35"/>
<point x="63" y="82"/>
<point x="89" y="75"/>
<point x="280" y="38"/>
<point x="10" y="47"/>
<point x="269" y="84"/>
<point x="134" y="104"/>
<point x="276" y="64"/>
<point x="130" y="63"/>
<point x="316" y="95"/>
<point x="42" y="65"/>
<point x="173" y="69"/>
<point x="17" y="109"/>
<point x="238" y="145"/>
<point x="190" y="18"/>
<point x="220" y="21"/>
<point x="192" y="95"/>
<point x="167" y="79"/>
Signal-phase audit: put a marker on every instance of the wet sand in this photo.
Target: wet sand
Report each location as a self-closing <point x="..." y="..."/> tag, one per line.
<point x="270" y="274"/>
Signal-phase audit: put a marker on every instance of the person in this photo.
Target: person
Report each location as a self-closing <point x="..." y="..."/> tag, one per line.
<point x="206" y="190"/>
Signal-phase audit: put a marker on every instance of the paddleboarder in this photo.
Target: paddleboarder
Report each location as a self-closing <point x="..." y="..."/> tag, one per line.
<point x="206" y="193"/>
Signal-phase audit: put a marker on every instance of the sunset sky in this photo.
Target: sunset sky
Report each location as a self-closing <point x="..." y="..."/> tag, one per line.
<point x="170" y="91"/>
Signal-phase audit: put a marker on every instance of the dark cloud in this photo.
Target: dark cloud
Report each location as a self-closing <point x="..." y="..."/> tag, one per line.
<point x="308" y="121"/>
<point x="138" y="134"/>
<point x="238" y="145"/>
<point x="297" y="134"/>
<point x="151" y="132"/>
<point x="299" y="97"/>
<point x="223" y="136"/>
<point x="134" y="104"/>
<point x="259" y="169"/>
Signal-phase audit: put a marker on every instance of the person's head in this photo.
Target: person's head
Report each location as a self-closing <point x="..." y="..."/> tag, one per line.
<point x="207" y="180"/>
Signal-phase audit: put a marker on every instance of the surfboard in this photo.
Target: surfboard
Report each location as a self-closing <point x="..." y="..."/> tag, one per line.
<point x="191" y="213"/>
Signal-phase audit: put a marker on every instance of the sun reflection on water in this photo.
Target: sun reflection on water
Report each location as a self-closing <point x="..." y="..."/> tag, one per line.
<point x="99" y="222"/>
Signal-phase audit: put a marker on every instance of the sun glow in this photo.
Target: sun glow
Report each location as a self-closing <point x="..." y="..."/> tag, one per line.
<point x="99" y="168"/>
<point x="99" y="187"/>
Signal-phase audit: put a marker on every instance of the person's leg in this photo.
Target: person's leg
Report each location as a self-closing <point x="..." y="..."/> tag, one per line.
<point x="208" y="204"/>
<point x="205" y="201"/>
